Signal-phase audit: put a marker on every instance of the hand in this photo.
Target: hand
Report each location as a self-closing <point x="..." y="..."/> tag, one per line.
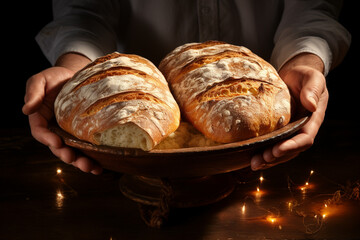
<point x="304" y="78"/>
<point x="41" y="92"/>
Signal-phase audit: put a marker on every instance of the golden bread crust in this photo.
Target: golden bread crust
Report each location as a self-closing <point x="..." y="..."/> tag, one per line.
<point x="227" y="92"/>
<point x="117" y="89"/>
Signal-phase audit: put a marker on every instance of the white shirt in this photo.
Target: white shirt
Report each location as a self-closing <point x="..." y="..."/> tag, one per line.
<point x="276" y="30"/>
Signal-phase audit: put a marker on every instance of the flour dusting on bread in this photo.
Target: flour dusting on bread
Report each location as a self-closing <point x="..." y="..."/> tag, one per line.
<point x="118" y="100"/>
<point x="227" y="92"/>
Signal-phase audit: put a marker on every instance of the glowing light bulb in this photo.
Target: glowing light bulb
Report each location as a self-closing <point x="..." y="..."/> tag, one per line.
<point x="323" y="216"/>
<point x="261" y="179"/>
<point x="311" y="172"/>
<point x="58" y="171"/>
<point x="258" y="194"/>
<point x="243" y="209"/>
<point x="271" y="219"/>
<point x="307" y="183"/>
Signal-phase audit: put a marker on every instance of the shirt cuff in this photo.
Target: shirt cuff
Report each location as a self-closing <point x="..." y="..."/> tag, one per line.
<point x="283" y="52"/>
<point x="55" y="44"/>
<point x="82" y="47"/>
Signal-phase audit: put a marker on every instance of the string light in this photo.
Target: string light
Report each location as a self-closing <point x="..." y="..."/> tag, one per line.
<point x="271" y="219"/>
<point x="58" y="171"/>
<point x="261" y="179"/>
<point x="307" y="184"/>
<point x="313" y="217"/>
<point x="258" y="193"/>
<point x="308" y="179"/>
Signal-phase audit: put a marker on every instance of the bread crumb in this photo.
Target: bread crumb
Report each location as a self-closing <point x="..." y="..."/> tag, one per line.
<point x="184" y="137"/>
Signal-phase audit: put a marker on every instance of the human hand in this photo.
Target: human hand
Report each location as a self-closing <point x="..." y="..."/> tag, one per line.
<point x="304" y="78"/>
<point x="41" y="92"/>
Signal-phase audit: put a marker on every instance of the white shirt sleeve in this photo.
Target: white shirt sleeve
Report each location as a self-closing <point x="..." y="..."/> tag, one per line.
<point x="311" y="26"/>
<point x="86" y="27"/>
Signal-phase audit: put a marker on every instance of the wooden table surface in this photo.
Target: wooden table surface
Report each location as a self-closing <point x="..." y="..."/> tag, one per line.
<point x="37" y="202"/>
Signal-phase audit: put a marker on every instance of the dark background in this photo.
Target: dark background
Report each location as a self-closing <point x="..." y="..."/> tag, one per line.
<point x="24" y="58"/>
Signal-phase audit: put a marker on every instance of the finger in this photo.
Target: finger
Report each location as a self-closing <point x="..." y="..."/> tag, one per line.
<point x="257" y="162"/>
<point x="35" y="93"/>
<point x="65" y="154"/>
<point x="289" y="147"/>
<point x="87" y="165"/>
<point x="317" y="117"/>
<point x="305" y="138"/>
<point x="298" y="143"/>
<point x="280" y="160"/>
<point x="268" y="155"/>
<point x="312" y="89"/>
<point x="39" y="130"/>
<point x="69" y="156"/>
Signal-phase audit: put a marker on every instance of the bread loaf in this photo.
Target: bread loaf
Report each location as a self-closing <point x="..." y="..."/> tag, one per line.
<point x="118" y="100"/>
<point x="227" y="92"/>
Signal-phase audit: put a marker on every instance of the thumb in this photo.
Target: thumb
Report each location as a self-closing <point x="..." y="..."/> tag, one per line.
<point x="35" y="93"/>
<point x="312" y="88"/>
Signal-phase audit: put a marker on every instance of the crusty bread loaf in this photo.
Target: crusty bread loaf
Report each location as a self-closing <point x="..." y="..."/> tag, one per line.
<point x="118" y="100"/>
<point x="227" y="92"/>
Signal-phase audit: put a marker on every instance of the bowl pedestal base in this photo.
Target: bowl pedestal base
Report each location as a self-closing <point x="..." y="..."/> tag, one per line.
<point x="157" y="195"/>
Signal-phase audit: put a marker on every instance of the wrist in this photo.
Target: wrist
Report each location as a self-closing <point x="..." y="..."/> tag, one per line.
<point x="303" y="59"/>
<point x="73" y="61"/>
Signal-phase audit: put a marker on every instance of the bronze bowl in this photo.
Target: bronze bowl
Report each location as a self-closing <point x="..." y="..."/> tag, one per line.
<point x="183" y="162"/>
<point x="186" y="177"/>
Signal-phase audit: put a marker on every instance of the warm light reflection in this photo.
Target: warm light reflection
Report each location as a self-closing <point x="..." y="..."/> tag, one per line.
<point x="243" y="209"/>
<point x="59" y="199"/>
<point x="258" y="193"/>
<point x="59" y="195"/>
<point x="58" y="171"/>
<point x="290" y="205"/>
<point x="271" y="219"/>
<point x="313" y="216"/>
<point x="305" y="187"/>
